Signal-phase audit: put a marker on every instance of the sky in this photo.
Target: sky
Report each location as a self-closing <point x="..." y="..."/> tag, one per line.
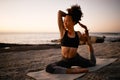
<point x="41" y="15"/>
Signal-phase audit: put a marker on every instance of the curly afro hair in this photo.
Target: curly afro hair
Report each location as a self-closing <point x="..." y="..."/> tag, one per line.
<point x="75" y="12"/>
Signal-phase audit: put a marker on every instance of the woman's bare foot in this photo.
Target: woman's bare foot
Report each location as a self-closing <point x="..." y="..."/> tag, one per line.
<point x="76" y="70"/>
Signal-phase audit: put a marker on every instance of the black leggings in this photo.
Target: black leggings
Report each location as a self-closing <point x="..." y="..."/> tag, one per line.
<point x="62" y="65"/>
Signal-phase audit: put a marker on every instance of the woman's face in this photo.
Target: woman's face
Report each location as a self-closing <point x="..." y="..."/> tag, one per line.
<point x="68" y="22"/>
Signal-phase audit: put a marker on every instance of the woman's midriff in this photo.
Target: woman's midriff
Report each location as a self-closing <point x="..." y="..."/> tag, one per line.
<point x="68" y="52"/>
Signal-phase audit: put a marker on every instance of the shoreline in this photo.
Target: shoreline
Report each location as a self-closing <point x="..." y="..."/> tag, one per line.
<point x="8" y="47"/>
<point x="15" y="64"/>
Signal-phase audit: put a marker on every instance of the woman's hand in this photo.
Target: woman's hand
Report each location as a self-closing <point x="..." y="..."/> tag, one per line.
<point x="63" y="14"/>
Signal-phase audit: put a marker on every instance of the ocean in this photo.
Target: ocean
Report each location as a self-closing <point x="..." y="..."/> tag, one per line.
<point x="45" y="38"/>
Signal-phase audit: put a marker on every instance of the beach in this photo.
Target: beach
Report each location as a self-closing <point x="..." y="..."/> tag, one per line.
<point x="17" y="60"/>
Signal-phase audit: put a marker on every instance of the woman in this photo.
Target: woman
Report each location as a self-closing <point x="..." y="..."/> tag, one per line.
<point x="69" y="44"/>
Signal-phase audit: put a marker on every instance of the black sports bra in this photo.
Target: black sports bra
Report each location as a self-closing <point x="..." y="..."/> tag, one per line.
<point x="70" y="42"/>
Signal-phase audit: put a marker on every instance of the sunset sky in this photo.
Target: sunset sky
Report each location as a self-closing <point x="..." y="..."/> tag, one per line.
<point x="41" y="15"/>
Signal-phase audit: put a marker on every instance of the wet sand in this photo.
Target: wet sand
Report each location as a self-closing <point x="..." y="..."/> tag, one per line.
<point x="17" y="60"/>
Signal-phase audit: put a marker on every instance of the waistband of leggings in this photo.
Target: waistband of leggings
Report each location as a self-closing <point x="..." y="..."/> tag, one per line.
<point x="70" y="58"/>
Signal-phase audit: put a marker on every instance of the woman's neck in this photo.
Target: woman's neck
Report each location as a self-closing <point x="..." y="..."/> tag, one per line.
<point x="71" y="33"/>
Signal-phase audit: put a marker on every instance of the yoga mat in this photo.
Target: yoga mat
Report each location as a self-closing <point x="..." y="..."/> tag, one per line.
<point x="43" y="75"/>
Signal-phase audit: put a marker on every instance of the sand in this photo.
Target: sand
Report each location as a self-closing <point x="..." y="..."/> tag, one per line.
<point x="17" y="61"/>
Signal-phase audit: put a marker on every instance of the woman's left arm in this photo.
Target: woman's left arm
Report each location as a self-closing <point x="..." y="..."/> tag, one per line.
<point x="90" y="47"/>
<point x="88" y="42"/>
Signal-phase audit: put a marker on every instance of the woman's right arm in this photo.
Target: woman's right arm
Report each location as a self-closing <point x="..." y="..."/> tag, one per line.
<point x="60" y="22"/>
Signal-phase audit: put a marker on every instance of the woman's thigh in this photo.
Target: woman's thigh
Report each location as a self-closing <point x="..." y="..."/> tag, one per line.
<point x="80" y="61"/>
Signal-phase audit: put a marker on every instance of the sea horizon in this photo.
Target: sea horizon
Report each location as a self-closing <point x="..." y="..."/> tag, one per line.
<point x="46" y="37"/>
